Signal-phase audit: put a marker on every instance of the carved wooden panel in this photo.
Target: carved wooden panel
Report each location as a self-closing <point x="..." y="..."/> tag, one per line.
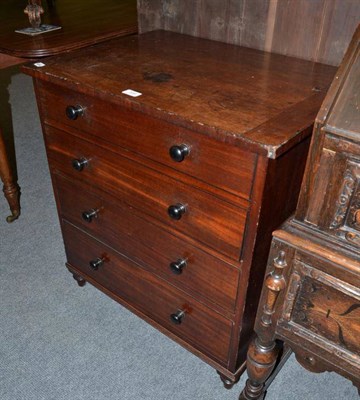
<point x="330" y="313"/>
<point x="318" y="30"/>
<point x="321" y="309"/>
<point x="346" y="221"/>
<point x="334" y="203"/>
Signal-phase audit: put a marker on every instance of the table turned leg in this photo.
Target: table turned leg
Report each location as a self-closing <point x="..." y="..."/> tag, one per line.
<point x="11" y="188"/>
<point x="263" y="351"/>
<point x="261" y="360"/>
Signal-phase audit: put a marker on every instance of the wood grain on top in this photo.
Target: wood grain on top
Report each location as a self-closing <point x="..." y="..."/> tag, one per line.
<point x="83" y="23"/>
<point x="234" y="93"/>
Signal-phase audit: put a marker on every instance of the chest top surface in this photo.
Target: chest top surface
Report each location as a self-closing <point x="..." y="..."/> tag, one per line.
<point x="236" y="94"/>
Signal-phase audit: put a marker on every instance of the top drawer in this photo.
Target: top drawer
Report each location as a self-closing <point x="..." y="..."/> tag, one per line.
<point x="221" y="165"/>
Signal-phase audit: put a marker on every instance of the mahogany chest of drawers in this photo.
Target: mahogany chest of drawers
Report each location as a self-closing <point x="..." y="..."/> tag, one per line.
<point x="311" y="293"/>
<point x="173" y="159"/>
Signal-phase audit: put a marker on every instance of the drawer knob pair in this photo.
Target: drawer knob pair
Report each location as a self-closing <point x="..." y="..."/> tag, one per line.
<point x="73" y="112"/>
<point x="179" y="152"/>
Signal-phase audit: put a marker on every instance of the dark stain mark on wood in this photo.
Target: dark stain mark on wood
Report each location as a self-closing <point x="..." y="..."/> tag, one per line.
<point x="158" y="77"/>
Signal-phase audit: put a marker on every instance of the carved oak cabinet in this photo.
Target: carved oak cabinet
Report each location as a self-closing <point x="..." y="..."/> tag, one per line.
<point x="311" y="294"/>
<point x="173" y="159"/>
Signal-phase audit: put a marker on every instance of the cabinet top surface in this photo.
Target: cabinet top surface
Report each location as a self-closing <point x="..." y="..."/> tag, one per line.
<point x="235" y="94"/>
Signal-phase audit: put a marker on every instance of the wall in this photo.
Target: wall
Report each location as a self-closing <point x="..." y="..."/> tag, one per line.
<point x="318" y="30"/>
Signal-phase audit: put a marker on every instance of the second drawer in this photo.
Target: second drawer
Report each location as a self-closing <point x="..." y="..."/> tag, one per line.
<point x="207" y="219"/>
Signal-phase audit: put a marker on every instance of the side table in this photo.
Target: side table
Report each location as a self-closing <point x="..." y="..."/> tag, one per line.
<point x="83" y="23"/>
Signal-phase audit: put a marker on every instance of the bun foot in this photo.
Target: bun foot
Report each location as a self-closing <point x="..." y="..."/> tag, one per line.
<point x="79" y="279"/>
<point x="228" y="383"/>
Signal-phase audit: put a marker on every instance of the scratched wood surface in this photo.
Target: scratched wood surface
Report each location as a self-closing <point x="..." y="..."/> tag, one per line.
<point x="318" y="30"/>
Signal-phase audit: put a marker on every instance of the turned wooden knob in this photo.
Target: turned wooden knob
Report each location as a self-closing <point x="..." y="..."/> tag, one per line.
<point x="179" y="152"/>
<point x="96" y="263"/>
<point x="176" y="211"/>
<point x="89" y="215"/>
<point x="177" y="317"/>
<point x="177" y="266"/>
<point x="79" y="163"/>
<point x="73" y="112"/>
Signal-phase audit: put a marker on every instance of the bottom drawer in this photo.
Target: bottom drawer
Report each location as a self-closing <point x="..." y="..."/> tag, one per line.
<point x="199" y="326"/>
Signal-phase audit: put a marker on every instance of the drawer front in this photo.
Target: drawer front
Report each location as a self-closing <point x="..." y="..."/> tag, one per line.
<point x="329" y="313"/>
<point x="201" y="327"/>
<point x="130" y="233"/>
<point x="319" y="307"/>
<point x="226" y="167"/>
<point x="207" y="219"/>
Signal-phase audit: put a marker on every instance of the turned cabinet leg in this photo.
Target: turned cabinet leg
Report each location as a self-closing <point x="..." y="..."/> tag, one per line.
<point x="11" y="189"/>
<point x="261" y="360"/>
<point x="79" y="279"/>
